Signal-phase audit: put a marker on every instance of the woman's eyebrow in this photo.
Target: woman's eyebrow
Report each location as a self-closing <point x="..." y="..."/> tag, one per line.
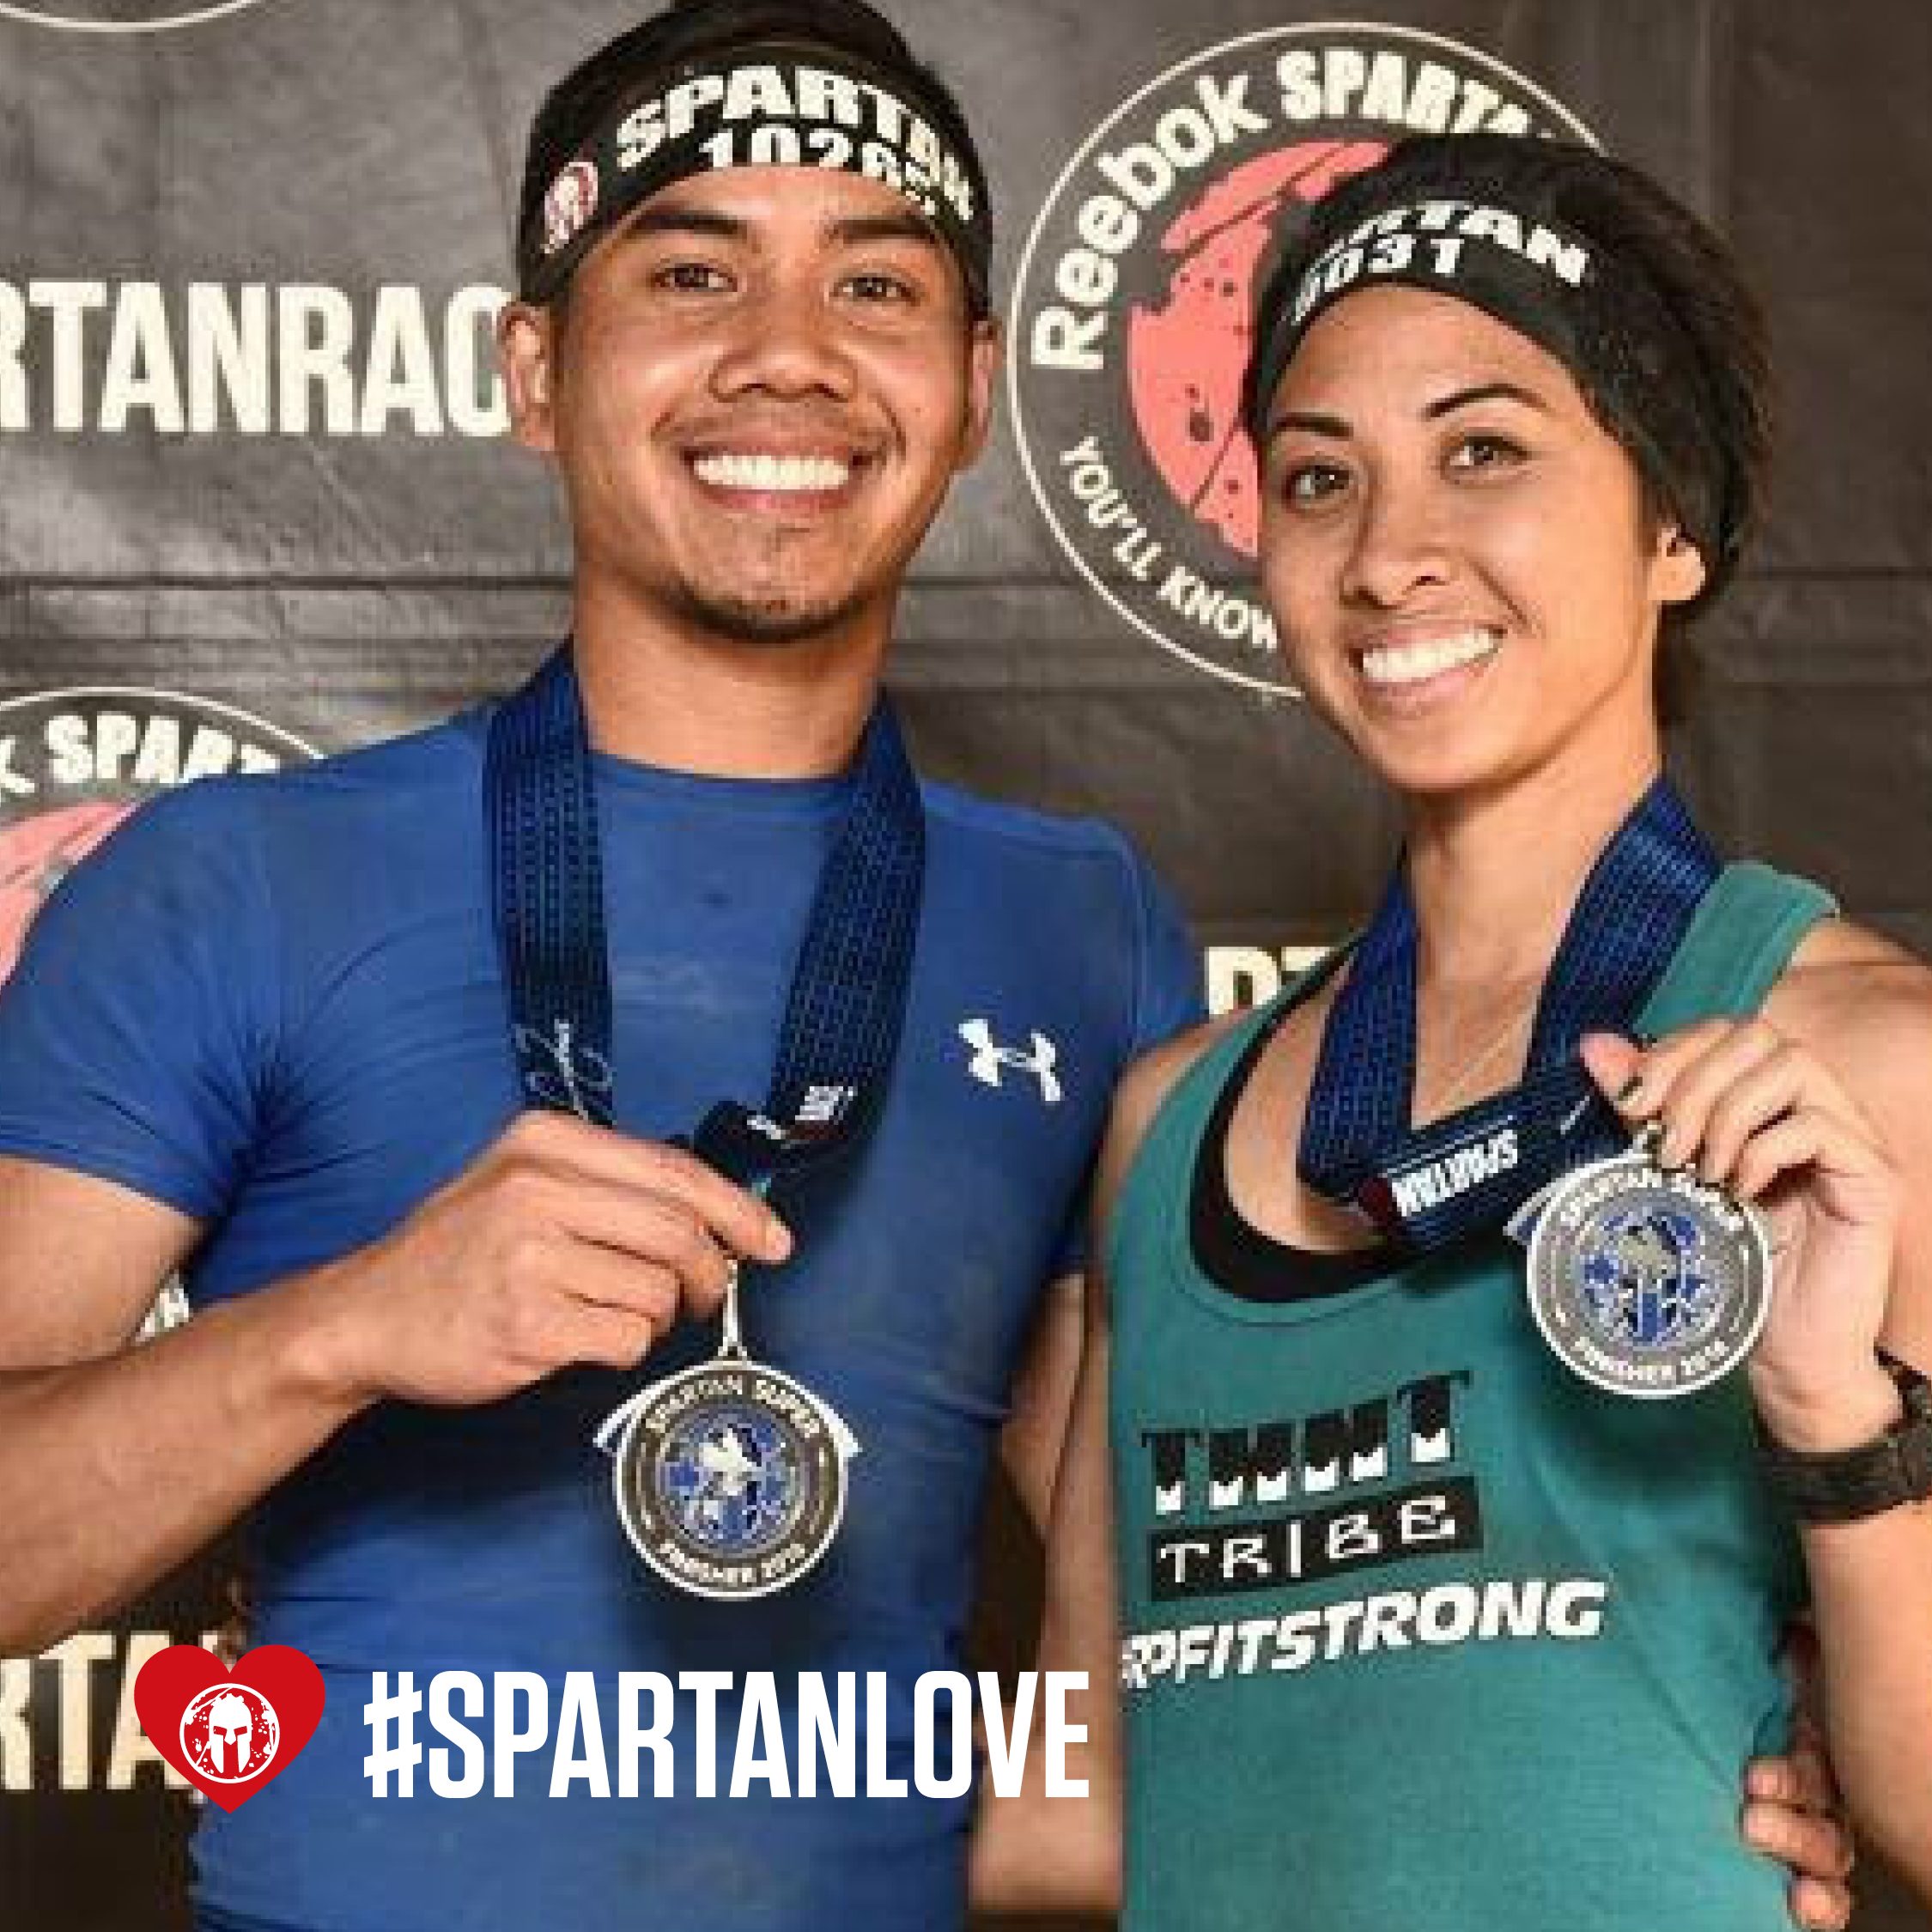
<point x="1311" y="420"/>
<point x="1319" y="422"/>
<point x="1483" y="392"/>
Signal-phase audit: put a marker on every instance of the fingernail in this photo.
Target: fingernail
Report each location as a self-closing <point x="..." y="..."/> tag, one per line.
<point x="1628" y="1092"/>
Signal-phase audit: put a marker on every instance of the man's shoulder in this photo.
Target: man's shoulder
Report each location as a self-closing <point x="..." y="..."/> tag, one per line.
<point x="445" y="754"/>
<point x="1025" y="827"/>
<point x="395" y="778"/>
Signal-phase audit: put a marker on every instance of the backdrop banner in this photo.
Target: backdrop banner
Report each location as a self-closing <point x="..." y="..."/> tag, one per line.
<point x="260" y="504"/>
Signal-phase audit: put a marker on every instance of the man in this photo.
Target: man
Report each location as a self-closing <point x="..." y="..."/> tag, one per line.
<point x="417" y="1300"/>
<point x="421" y="1288"/>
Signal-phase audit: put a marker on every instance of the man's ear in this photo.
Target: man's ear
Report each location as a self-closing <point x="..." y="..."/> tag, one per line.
<point x="526" y="347"/>
<point x="1678" y="568"/>
<point x="984" y="351"/>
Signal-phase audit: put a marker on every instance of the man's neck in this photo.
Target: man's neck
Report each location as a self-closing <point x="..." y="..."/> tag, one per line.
<point x="660" y="695"/>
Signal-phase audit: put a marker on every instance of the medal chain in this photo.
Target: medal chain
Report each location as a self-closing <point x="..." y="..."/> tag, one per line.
<point x="1472" y="1070"/>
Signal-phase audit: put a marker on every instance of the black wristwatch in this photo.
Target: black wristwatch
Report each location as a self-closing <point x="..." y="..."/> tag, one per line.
<point x="1841" y="1485"/>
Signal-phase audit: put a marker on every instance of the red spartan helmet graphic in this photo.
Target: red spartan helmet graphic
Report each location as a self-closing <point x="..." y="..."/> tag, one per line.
<point x="1185" y="359"/>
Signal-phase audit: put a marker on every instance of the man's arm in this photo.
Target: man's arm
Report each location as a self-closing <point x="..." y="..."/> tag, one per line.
<point x="561" y="1243"/>
<point x="110" y="1478"/>
<point x="1032" y="1852"/>
<point x="1039" y="1427"/>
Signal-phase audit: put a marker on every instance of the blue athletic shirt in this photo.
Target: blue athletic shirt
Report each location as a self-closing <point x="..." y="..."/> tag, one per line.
<point x="274" y="1003"/>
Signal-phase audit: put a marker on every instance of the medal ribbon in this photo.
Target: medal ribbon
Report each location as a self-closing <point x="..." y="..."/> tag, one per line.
<point x="848" y="998"/>
<point x="1470" y="1171"/>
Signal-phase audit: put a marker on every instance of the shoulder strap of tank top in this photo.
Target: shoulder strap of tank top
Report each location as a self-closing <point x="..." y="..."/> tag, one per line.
<point x="1741" y="941"/>
<point x="1171" y="1143"/>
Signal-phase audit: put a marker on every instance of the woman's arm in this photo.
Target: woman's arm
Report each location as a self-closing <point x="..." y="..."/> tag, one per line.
<point x="1818" y="1111"/>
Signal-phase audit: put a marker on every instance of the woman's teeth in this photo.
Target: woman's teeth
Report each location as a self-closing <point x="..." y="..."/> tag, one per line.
<point x="1410" y="664"/>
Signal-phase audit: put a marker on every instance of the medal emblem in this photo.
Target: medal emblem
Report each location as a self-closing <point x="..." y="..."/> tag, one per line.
<point x="729" y="1477"/>
<point x="1645" y="1282"/>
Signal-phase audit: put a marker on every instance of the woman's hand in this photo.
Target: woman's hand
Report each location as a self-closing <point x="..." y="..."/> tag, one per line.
<point x="1754" y="1113"/>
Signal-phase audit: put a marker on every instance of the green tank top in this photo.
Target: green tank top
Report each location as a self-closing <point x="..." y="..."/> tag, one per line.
<point x="1420" y="1631"/>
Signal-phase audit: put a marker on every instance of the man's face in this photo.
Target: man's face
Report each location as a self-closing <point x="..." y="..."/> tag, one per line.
<point x="757" y="392"/>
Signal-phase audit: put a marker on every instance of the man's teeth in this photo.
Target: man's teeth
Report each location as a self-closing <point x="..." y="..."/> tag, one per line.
<point x="733" y="471"/>
<point x="1409" y="664"/>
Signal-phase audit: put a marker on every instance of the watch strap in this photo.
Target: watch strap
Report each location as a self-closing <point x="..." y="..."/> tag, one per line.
<point x="1843" y="1485"/>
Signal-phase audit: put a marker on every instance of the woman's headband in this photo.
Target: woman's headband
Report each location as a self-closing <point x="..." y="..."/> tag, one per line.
<point x="1597" y="314"/>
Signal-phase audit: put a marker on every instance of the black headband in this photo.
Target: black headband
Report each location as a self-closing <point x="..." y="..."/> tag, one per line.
<point x="1597" y="314"/>
<point x="764" y="104"/>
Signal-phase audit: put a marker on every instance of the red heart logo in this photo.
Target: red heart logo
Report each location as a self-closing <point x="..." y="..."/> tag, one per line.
<point x="229" y="1732"/>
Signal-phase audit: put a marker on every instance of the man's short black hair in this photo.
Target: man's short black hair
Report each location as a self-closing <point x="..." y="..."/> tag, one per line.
<point x="696" y="29"/>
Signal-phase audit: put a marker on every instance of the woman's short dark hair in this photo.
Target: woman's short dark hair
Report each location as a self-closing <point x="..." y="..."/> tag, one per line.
<point x="1721" y="344"/>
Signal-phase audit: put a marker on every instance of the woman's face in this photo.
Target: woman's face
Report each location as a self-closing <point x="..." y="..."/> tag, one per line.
<point x="1459" y="555"/>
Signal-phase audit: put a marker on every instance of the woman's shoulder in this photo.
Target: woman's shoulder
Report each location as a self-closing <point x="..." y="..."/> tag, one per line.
<point x="1151" y="1079"/>
<point x="1293" y="1021"/>
<point x="1142" y="1088"/>
<point x="1863" y="1004"/>
<point x="1845" y="977"/>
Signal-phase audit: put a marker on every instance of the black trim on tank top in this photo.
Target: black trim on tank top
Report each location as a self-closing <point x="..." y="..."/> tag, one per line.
<point x="1228" y="1248"/>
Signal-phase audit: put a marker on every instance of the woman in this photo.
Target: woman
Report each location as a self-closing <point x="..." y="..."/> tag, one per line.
<point x="1419" y="1626"/>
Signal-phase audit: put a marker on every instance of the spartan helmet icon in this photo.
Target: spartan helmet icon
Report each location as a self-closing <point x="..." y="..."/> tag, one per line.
<point x="230" y="1733"/>
<point x="569" y="205"/>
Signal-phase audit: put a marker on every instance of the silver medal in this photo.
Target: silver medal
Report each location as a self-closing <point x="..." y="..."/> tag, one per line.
<point x="729" y="1476"/>
<point x="1645" y="1281"/>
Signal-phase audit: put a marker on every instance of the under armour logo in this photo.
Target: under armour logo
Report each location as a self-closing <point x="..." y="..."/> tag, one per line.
<point x="989" y="1056"/>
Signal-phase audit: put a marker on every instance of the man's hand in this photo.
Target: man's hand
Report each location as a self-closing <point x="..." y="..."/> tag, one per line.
<point x="1793" y="1811"/>
<point x="561" y="1243"/>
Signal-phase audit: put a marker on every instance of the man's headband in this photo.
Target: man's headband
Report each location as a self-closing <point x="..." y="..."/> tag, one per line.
<point x="767" y="104"/>
<point x="1598" y="315"/>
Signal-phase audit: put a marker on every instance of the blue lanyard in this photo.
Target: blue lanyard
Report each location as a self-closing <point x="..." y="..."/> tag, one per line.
<point x="1469" y="1171"/>
<point x="847" y="999"/>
